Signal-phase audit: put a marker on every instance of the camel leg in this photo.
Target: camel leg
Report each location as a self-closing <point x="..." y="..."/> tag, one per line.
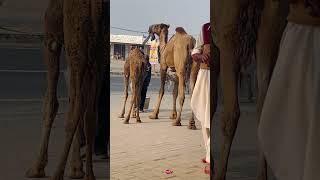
<point x="134" y="110"/>
<point x="174" y="100"/>
<point x="177" y="122"/>
<point x="193" y="78"/>
<point x="163" y="74"/>
<point x="72" y="121"/>
<point x="52" y="54"/>
<point x="89" y="126"/>
<point x="126" y="121"/>
<point x="224" y="24"/>
<point x="137" y="102"/>
<point x="273" y="20"/>
<point x="76" y="165"/>
<point x="125" y="92"/>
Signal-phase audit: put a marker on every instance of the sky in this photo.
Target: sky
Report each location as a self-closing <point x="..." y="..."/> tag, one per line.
<point x="27" y="15"/>
<point x="138" y="15"/>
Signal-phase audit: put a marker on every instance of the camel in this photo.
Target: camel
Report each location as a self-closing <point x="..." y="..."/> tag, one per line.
<point x="135" y="69"/>
<point x="175" y="54"/>
<point x="244" y="28"/>
<point x="81" y="28"/>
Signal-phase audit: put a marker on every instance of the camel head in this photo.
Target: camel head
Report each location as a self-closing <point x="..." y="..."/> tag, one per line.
<point x="158" y="29"/>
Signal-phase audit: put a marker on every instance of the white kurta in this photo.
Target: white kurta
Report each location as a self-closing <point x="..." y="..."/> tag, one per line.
<point x="289" y="130"/>
<point x="200" y="105"/>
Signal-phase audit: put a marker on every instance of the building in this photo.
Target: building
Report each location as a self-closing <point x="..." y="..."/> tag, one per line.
<point x="120" y="45"/>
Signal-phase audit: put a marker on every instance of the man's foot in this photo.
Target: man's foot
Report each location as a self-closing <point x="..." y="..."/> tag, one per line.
<point x="203" y="160"/>
<point x="141" y="111"/>
<point x="207" y="169"/>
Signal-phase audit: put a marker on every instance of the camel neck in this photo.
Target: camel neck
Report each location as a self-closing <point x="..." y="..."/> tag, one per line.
<point x="163" y="41"/>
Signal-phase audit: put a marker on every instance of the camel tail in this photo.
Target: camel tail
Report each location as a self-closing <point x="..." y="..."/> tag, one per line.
<point x="246" y="31"/>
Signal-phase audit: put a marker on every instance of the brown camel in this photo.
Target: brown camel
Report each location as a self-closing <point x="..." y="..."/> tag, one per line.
<point x="79" y="27"/>
<point x="135" y="69"/>
<point x="175" y="54"/>
<point x="244" y="28"/>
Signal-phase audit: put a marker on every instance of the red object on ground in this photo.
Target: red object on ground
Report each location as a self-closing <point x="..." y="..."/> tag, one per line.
<point x="168" y="171"/>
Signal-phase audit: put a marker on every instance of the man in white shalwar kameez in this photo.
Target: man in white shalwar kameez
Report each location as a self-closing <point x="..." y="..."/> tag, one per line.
<point x="200" y="101"/>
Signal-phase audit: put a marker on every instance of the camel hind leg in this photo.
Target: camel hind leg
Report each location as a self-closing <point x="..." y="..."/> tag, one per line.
<point x="193" y="78"/>
<point x="52" y="54"/>
<point x="137" y="101"/>
<point x="133" y="97"/>
<point x="174" y="100"/>
<point x="126" y="85"/>
<point x="177" y="121"/>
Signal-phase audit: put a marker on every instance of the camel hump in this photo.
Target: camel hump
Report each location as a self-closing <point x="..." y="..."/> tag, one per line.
<point x="181" y="30"/>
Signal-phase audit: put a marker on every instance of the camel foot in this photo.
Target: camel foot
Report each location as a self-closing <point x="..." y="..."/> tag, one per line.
<point x="153" y="116"/>
<point x="76" y="173"/>
<point x="139" y="121"/>
<point x="90" y="177"/>
<point x="57" y="177"/>
<point x="176" y="123"/>
<point x="173" y="115"/>
<point x="35" y="173"/>
<point x="121" y="116"/>
<point x="262" y="177"/>
<point x="126" y="122"/>
<point x="192" y="126"/>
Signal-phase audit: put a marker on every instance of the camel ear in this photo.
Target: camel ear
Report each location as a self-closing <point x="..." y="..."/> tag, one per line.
<point x="168" y="25"/>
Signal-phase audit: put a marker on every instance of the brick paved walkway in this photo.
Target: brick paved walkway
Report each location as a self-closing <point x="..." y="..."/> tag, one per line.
<point x="145" y="151"/>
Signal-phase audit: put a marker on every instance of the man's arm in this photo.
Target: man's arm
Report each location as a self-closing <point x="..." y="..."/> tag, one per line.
<point x="197" y="50"/>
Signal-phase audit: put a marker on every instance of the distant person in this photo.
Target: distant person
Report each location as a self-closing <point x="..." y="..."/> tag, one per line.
<point x="145" y="85"/>
<point x="200" y="101"/>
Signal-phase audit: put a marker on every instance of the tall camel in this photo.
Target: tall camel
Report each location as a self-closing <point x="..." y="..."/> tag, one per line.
<point x="244" y="28"/>
<point x="175" y="54"/>
<point x="81" y="28"/>
<point x="135" y="69"/>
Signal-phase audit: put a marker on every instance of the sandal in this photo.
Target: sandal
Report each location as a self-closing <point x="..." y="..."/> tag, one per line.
<point x="203" y="160"/>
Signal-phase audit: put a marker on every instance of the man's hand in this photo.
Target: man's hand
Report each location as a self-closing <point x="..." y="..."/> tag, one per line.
<point x="201" y="58"/>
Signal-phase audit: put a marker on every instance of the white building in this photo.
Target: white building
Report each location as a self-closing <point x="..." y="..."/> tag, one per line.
<point x="120" y="45"/>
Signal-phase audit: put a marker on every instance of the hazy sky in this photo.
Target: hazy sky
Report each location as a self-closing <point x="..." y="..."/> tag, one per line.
<point x="139" y="14"/>
<point x="129" y="14"/>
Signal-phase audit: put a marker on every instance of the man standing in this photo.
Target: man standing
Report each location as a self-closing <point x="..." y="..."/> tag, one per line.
<point x="200" y="101"/>
<point x="145" y="85"/>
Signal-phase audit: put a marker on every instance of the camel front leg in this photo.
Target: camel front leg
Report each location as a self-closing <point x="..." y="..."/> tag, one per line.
<point x="126" y="85"/>
<point x="224" y="23"/>
<point x="174" y="100"/>
<point x="182" y="86"/>
<point x="193" y="78"/>
<point x="163" y="74"/>
<point x="273" y="21"/>
<point x="52" y="54"/>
